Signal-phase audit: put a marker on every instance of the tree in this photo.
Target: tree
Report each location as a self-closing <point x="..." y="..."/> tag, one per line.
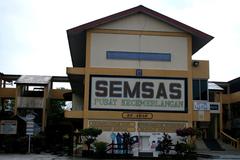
<point x="55" y="112"/>
<point x="6" y="108"/>
<point x="90" y="134"/>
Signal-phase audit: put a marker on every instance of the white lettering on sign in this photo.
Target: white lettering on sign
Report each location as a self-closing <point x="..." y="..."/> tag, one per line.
<point x="123" y="93"/>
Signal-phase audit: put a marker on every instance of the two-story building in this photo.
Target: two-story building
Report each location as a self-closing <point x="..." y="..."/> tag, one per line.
<point x="133" y="72"/>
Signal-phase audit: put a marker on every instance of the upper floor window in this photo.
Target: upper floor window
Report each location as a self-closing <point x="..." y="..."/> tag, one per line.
<point x="200" y="89"/>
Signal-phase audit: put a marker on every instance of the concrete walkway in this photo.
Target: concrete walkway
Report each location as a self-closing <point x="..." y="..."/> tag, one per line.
<point x="229" y="153"/>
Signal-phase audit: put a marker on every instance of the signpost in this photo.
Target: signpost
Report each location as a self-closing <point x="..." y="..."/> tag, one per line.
<point x="29" y="129"/>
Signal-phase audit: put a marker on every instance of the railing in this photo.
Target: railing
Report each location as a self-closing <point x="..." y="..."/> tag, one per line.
<point x="230" y="140"/>
<point x="30" y="102"/>
<point x="124" y="148"/>
<point x="115" y="148"/>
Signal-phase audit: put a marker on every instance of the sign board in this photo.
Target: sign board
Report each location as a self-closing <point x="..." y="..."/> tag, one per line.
<point x="30" y="128"/>
<point x="214" y="107"/>
<point x="135" y="93"/>
<point x="8" y="127"/>
<point x="201" y="106"/>
<point x="169" y="127"/>
<point x="30" y="116"/>
<point x="120" y="126"/>
<point x="136" y="115"/>
<point x="30" y="124"/>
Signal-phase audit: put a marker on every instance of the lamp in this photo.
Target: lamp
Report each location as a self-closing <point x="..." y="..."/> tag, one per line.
<point x="195" y="63"/>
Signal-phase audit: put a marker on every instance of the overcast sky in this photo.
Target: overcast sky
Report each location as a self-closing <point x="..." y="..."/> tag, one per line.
<point x="33" y="37"/>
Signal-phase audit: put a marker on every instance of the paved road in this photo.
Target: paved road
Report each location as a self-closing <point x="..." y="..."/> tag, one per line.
<point x="45" y="156"/>
<point x="42" y="156"/>
<point x="33" y="157"/>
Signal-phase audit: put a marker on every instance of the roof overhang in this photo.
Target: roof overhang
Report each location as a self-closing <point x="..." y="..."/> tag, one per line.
<point x="34" y="80"/>
<point x="214" y="87"/>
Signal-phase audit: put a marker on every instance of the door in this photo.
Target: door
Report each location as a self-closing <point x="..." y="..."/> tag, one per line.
<point x="213" y="126"/>
<point x="144" y="143"/>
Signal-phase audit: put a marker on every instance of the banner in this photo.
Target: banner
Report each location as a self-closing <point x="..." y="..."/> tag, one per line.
<point x="131" y="93"/>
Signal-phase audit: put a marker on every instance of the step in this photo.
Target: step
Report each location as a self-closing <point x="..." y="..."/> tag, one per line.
<point x="145" y="154"/>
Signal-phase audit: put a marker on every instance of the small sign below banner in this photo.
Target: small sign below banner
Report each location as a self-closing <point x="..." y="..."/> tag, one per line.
<point x="215" y="107"/>
<point x="136" y="115"/>
<point x="201" y="106"/>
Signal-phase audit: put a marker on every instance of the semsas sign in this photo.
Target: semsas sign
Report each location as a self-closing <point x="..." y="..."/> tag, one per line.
<point x="134" y="93"/>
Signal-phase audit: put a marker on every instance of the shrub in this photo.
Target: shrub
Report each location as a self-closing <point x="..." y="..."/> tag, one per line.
<point x="100" y="147"/>
<point x="90" y="135"/>
<point x="185" y="132"/>
<point x="180" y="148"/>
<point x="164" y="146"/>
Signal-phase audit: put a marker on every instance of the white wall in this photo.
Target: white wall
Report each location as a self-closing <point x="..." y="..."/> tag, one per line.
<point x="155" y="136"/>
<point x="101" y="42"/>
<point x="139" y="22"/>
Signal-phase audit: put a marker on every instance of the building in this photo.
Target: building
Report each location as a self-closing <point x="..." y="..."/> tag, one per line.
<point x="133" y="71"/>
<point x="230" y="100"/>
<point x="30" y="94"/>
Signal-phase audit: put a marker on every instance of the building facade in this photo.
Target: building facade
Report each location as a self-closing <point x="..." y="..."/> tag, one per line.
<point x="24" y="94"/>
<point x="133" y="72"/>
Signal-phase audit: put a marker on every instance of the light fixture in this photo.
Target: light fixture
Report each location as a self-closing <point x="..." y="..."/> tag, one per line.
<point x="195" y="63"/>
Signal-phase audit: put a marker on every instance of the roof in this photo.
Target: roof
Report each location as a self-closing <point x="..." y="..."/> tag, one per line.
<point x="33" y="80"/>
<point x="214" y="86"/>
<point x="77" y="35"/>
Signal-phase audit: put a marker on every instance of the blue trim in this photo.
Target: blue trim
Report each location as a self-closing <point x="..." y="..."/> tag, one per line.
<point x="147" y="56"/>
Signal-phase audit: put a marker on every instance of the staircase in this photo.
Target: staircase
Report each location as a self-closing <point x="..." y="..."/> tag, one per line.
<point x="230" y="140"/>
<point x="213" y="145"/>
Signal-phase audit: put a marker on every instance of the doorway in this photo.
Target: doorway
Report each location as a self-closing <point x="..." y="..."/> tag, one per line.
<point x="214" y="127"/>
<point x="144" y="141"/>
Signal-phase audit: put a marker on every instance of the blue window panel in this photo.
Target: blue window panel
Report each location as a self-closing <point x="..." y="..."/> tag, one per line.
<point x="121" y="55"/>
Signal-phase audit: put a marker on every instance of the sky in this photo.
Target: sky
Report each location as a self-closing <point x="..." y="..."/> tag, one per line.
<point x="33" y="39"/>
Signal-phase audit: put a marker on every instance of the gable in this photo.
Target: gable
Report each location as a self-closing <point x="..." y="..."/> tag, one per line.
<point x="139" y="21"/>
<point x="157" y="21"/>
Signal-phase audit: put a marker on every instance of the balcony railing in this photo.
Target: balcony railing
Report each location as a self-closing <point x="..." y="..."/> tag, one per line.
<point x="30" y="102"/>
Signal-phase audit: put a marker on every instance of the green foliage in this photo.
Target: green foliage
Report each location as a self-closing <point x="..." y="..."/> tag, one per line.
<point x="190" y="147"/>
<point x="90" y="135"/>
<point x="55" y="111"/>
<point x="91" y="132"/>
<point x="198" y="132"/>
<point x="188" y="135"/>
<point x="6" y="108"/>
<point x="100" y="147"/>
<point x="185" y="132"/>
<point x="165" y="145"/>
<point x="180" y="148"/>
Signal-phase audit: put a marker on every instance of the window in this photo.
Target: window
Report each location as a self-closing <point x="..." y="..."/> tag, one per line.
<point x="200" y="89"/>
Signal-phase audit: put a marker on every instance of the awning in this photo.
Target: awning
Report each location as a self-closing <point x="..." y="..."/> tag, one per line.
<point x="214" y="86"/>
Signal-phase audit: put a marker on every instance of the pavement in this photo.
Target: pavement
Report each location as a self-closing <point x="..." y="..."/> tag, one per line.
<point x="229" y="153"/>
<point x="203" y="152"/>
<point x="42" y="156"/>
